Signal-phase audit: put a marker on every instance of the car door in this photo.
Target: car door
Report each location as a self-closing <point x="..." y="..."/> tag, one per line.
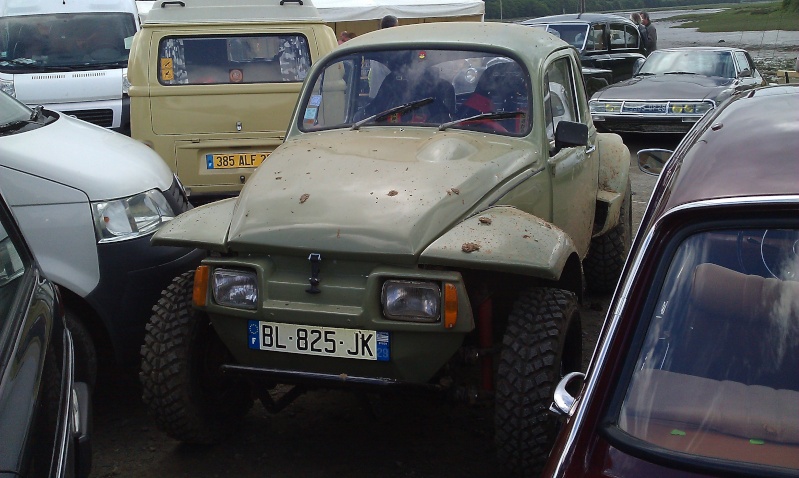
<point x="573" y="170"/>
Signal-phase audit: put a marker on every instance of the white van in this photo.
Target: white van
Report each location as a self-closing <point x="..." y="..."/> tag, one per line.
<point x="70" y="56"/>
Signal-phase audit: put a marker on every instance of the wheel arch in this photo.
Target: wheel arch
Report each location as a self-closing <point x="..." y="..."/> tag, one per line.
<point x="614" y="174"/>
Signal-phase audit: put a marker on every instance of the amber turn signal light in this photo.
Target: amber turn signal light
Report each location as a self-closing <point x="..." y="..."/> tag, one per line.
<point x="200" y="293"/>
<point x="450" y="306"/>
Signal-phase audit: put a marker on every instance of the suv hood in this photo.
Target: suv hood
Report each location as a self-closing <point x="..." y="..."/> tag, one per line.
<point x="666" y="87"/>
<point x="101" y="163"/>
<point x="372" y="191"/>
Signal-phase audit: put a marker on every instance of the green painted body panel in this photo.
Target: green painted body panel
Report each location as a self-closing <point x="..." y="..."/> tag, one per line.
<point x="509" y="240"/>
<point x="350" y="298"/>
<point x="203" y="227"/>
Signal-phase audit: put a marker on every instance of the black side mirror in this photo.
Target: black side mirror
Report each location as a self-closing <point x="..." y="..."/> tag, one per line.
<point x="651" y="161"/>
<point x="569" y="134"/>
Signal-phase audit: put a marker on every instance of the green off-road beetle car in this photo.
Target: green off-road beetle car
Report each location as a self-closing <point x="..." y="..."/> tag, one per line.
<point x="403" y="238"/>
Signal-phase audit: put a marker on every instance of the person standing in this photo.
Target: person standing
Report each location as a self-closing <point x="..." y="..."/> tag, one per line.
<point x="635" y="17"/>
<point x="651" y="33"/>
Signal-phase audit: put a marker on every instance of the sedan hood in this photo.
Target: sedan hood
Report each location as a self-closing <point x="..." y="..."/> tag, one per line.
<point x="101" y="163"/>
<point x="667" y="87"/>
<point x="370" y="191"/>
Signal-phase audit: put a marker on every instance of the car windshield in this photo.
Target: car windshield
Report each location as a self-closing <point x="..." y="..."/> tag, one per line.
<point x="65" y="41"/>
<point x="697" y="62"/>
<point x="443" y="88"/>
<point x="717" y="375"/>
<point x="12" y="111"/>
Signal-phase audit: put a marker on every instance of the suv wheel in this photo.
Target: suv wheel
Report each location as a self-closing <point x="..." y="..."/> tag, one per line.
<point x="606" y="256"/>
<point x="541" y="344"/>
<point x="183" y="386"/>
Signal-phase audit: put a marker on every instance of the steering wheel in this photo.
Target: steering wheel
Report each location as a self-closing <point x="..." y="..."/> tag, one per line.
<point x="777" y="253"/>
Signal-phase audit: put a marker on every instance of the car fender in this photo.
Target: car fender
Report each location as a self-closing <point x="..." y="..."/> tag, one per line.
<point x="204" y="227"/>
<point x="614" y="174"/>
<point x="503" y="239"/>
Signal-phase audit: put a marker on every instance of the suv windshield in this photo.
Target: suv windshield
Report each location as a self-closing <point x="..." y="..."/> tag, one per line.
<point x="419" y="87"/>
<point x="65" y="41"/>
<point x="716" y="376"/>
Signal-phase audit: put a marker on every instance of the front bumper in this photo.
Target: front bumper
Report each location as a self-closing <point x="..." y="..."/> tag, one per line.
<point x="349" y="299"/>
<point x="132" y="275"/>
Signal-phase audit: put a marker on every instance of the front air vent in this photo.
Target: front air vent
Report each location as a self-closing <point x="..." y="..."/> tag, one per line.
<point x="104" y="118"/>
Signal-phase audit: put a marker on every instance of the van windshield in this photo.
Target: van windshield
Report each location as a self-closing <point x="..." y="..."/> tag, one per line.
<point x="65" y="41"/>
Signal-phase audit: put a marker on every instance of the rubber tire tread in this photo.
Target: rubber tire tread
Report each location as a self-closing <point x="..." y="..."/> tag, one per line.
<point x="529" y="370"/>
<point x="607" y="254"/>
<point x="182" y="405"/>
<point x="85" y="351"/>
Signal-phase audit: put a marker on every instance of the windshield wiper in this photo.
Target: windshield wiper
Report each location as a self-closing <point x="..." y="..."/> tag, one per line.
<point x="679" y="73"/>
<point x="404" y="107"/>
<point x="496" y="115"/>
<point x="644" y="74"/>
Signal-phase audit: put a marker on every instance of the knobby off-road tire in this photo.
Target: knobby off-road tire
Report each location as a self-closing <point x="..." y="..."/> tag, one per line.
<point x="189" y="397"/>
<point x="608" y="252"/>
<point x="85" y="351"/>
<point x="542" y="342"/>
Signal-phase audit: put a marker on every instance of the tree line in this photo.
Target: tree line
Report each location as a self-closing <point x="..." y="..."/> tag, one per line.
<point x="522" y="9"/>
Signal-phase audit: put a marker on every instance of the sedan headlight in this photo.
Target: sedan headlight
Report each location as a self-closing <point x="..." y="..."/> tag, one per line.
<point x="235" y="288"/>
<point x="7" y="86"/>
<point x="690" y="108"/>
<point x="130" y="217"/>
<point x="599" y="106"/>
<point x="411" y="301"/>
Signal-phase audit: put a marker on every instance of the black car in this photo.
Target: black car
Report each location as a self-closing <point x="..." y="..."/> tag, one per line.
<point x="44" y="413"/>
<point x="673" y="89"/>
<point x="605" y="42"/>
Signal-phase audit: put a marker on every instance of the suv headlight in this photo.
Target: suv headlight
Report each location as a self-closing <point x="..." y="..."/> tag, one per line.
<point x="411" y="301"/>
<point x="130" y="217"/>
<point x="236" y="288"/>
<point x="7" y="86"/>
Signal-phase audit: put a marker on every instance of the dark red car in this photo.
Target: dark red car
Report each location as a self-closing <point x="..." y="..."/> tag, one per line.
<point x="696" y="372"/>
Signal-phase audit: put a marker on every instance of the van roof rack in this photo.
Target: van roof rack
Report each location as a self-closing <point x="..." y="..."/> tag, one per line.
<point x="223" y="11"/>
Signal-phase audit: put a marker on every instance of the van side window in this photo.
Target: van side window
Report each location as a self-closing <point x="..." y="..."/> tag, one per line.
<point x="233" y="59"/>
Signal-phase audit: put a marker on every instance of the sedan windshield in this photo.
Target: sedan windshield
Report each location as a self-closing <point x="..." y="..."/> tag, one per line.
<point x="65" y="41"/>
<point x="420" y="88"/>
<point x="12" y="111"/>
<point x="696" y="62"/>
<point x="717" y="375"/>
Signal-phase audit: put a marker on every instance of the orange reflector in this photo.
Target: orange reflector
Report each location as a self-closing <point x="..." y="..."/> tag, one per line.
<point x="450" y="306"/>
<point x="200" y="292"/>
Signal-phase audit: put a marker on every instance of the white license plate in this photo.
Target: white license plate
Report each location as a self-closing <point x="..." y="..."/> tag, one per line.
<point x="324" y="341"/>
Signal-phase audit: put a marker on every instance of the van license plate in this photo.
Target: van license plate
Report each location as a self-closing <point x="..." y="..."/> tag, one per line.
<point x="324" y="341"/>
<point x="234" y="160"/>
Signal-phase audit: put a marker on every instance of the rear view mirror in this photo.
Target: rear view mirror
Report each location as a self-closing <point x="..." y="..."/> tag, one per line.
<point x="569" y="134"/>
<point x="637" y="65"/>
<point x="745" y="73"/>
<point x="651" y="161"/>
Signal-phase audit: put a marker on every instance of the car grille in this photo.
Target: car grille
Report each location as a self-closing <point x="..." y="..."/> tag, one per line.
<point x="176" y="197"/>
<point x="104" y="118"/>
<point x="649" y="125"/>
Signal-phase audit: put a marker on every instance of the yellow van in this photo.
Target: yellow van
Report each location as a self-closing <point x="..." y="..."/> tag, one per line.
<point x="213" y="84"/>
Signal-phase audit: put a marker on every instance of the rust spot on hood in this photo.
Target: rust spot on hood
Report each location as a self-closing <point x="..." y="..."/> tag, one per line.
<point x="393" y="192"/>
<point x="470" y="247"/>
<point x="304" y="197"/>
<point x="485" y="220"/>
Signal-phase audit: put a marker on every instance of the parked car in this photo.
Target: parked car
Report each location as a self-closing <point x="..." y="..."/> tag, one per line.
<point x="88" y="200"/>
<point x="213" y="84"/>
<point x="69" y="56"/>
<point x="696" y="369"/>
<point x="432" y="230"/>
<point x="44" y="412"/>
<point x="673" y="89"/>
<point x="605" y="42"/>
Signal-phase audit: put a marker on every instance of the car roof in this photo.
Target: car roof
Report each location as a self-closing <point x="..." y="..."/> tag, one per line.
<point x="702" y="48"/>
<point x="747" y="148"/>
<point x="461" y="35"/>
<point x="230" y="11"/>
<point x="577" y="17"/>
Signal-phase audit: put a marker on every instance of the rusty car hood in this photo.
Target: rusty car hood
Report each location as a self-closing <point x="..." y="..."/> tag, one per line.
<point x="386" y="191"/>
<point x="667" y="87"/>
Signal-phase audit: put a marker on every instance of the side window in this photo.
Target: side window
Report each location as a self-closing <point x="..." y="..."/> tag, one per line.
<point x="631" y="36"/>
<point x="596" y="38"/>
<point x="618" y="37"/>
<point x="12" y="267"/>
<point x="233" y="59"/>
<point x="741" y="62"/>
<point x="559" y="96"/>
